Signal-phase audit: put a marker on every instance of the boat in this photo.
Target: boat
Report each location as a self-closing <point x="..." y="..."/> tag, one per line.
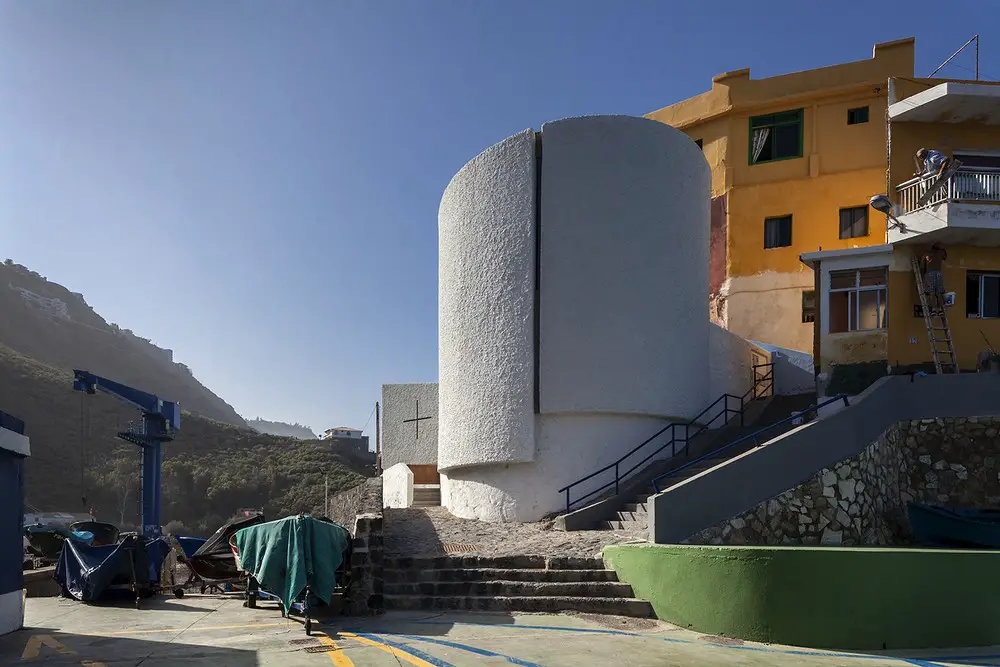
<point x="46" y="540"/>
<point x="104" y="533"/>
<point x="313" y="561"/>
<point x="962" y="527"/>
<point x="213" y="562"/>
<point x="131" y="567"/>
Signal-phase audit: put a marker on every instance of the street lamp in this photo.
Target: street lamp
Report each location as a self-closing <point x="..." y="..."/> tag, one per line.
<point x="883" y="204"/>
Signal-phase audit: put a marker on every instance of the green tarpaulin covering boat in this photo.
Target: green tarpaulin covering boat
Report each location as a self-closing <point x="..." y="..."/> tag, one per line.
<point x="287" y="555"/>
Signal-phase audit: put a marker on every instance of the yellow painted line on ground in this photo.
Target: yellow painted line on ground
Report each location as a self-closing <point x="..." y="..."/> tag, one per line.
<point x="190" y="629"/>
<point x="412" y="659"/>
<point x="35" y="643"/>
<point x="337" y="655"/>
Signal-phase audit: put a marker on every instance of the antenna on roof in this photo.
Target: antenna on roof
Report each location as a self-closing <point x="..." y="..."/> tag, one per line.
<point x="975" y="38"/>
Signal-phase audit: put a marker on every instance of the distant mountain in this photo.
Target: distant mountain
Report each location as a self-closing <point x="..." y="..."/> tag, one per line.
<point x="46" y="322"/>
<point x="282" y="429"/>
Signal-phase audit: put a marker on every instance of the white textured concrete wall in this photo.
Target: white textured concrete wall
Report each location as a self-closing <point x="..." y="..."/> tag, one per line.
<point x="624" y="268"/>
<point x="623" y="336"/>
<point x="569" y="447"/>
<point x="403" y="441"/>
<point x="730" y="363"/>
<point x="11" y="612"/>
<point x="397" y="486"/>
<point x="486" y="278"/>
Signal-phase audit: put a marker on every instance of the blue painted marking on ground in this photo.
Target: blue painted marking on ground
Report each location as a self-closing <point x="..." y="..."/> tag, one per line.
<point x="471" y="649"/>
<point x="918" y="662"/>
<point x="437" y="662"/>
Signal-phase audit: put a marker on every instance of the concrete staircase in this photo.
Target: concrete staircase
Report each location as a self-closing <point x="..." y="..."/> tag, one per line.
<point x="426" y="495"/>
<point x="509" y="583"/>
<point x="632" y="513"/>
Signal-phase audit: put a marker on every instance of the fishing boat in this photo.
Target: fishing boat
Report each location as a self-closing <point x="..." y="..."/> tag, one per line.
<point x="213" y="563"/>
<point x="46" y="540"/>
<point x="962" y="527"/>
<point x="104" y="533"/>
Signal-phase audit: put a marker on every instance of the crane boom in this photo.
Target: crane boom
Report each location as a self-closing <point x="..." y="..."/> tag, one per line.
<point x="160" y="419"/>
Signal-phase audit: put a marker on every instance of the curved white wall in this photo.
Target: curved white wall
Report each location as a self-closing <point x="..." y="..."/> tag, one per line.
<point x="623" y="338"/>
<point x="486" y="281"/>
<point x="624" y="268"/>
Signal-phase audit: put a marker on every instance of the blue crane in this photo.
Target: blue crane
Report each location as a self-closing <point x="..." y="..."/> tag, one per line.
<point x="160" y="419"/>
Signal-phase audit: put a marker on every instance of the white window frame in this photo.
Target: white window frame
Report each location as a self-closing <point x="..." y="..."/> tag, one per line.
<point x="882" y="297"/>
<point x="982" y="277"/>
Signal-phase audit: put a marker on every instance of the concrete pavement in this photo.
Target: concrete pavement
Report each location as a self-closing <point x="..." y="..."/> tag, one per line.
<point x="215" y="631"/>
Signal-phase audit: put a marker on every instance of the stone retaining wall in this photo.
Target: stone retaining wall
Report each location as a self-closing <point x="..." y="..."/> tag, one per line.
<point x="359" y="509"/>
<point x="862" y="500"/>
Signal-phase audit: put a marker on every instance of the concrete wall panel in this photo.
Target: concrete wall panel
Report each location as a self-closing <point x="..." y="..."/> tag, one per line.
<point x="486" y="236"/>
<point x="403" y="441"/>
<point x="624" y="268"/>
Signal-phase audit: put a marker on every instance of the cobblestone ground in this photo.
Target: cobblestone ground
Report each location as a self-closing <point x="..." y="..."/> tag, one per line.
<point x="433" y="531"/>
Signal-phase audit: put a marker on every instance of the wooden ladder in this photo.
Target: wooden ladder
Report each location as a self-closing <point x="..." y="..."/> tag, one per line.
<point x="938" y="333"/>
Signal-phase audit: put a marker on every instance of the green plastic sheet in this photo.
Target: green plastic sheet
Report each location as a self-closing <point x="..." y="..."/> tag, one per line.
<point x="286" y="555"/>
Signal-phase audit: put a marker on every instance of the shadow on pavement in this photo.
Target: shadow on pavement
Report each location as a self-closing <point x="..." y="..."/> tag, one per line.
<point x="49" y="646"/>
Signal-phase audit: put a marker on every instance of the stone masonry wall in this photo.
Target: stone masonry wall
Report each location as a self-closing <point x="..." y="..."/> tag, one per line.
<point x="359" y="509"/>
<point x="862" y="500"/>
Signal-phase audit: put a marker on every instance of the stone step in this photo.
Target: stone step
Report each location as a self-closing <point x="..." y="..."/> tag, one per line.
<point x="493" y="574"/>
<point x="633" y="526"/>
<point x="513" y="589"/>
<point x="426" y="503"/>
<point x="635" y="508"/>
<point x="495" y="562"/>
<point x="614" y="606"/>
<point x="631" y="516"/>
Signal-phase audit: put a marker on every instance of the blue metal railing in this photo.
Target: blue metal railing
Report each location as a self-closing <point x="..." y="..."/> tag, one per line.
<point x="752" y="437"/>
<point x="763" y="385"/>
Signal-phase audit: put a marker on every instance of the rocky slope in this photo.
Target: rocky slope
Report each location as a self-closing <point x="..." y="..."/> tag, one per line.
<point x="282" y="429"/>
<point x="43" y="320"/>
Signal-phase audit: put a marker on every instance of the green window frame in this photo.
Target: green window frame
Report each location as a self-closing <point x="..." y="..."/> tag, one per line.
<point x="782" y="137"/>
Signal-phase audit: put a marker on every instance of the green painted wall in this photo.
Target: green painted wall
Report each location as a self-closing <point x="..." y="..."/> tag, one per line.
<point x="821" y="597"/>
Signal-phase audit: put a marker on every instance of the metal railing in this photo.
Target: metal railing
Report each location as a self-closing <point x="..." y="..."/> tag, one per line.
<point x="680" y="435"/>
<point x="968" y="184"/>
<point x="753" y="437"/>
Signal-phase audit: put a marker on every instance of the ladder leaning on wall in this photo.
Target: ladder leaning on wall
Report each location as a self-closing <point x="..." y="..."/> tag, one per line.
<point x="936" y="320"/>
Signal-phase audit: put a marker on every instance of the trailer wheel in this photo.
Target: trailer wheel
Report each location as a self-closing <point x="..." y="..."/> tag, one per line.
<point x="178" y="593"/>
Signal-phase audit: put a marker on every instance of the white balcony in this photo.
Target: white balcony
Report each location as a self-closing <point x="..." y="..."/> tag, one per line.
<point x="965" y="210"/>
<point x="950" y="102"/>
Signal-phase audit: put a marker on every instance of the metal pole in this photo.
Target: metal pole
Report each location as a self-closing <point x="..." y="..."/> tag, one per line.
<point x="975" y="38"/>
<point x="378" y="443"/>
<point x="977" y="57"/>
<point x="326" y="495"/>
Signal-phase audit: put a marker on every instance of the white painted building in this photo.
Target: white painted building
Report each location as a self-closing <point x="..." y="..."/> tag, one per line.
<point x="342" y="432"/>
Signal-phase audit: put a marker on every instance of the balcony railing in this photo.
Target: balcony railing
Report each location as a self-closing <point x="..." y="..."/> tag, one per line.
<point x="969" y="184"/>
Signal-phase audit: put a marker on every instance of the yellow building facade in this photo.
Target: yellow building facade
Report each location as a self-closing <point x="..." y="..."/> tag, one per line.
<point x="869" y="318"/>
<point x="795" y="159"/>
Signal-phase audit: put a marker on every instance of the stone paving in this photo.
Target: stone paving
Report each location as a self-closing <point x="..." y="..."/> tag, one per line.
<point x="433" y="531"/>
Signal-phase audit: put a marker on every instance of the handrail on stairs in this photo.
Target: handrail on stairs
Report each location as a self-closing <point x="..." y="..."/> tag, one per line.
<point x="753" y="436"/>
<point x="763" y="385"/>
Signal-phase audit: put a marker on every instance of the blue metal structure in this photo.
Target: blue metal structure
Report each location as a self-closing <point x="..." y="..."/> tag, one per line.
<point x="160" y="419"/>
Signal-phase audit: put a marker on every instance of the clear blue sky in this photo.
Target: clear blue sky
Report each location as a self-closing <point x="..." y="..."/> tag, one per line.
<point x="255" y="184"/>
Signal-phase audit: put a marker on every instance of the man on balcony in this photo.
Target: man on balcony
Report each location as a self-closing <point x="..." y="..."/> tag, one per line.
<point x="931" y="163"/>
<point x="933" y="260"/>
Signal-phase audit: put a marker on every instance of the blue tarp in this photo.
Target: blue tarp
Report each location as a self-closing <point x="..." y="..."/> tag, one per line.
<point x="191" y="544"/>
<point x="86" y="573"/>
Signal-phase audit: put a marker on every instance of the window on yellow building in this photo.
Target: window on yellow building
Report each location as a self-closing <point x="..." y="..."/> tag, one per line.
<point x="808" y="306"/>
<point x="858" y="300"/>
<point x="778" y="232"/>
<point x="853" y="222"/>
<point x="776" y="137"/>
<point x="982" y="295"/>
<point x="857" y="116"/>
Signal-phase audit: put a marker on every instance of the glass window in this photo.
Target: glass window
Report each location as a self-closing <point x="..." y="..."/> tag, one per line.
<point x="982" y="295"/>
<point x="778" y="232"/>
<point x="776" y="137"/>
<point x="808" y="306"/>
<point x="858" y="300"/>
<point x="857" y="116"/>
<point x="853" y="222"/>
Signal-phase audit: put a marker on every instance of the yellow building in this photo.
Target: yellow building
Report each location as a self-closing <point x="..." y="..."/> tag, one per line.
<point x="869" y="321"/>
<point x="795" y="159"/>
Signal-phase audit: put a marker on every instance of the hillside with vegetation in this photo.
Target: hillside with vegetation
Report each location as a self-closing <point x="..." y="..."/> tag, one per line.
<point x="43" y="320"/>
<point x="210" y="470"/>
